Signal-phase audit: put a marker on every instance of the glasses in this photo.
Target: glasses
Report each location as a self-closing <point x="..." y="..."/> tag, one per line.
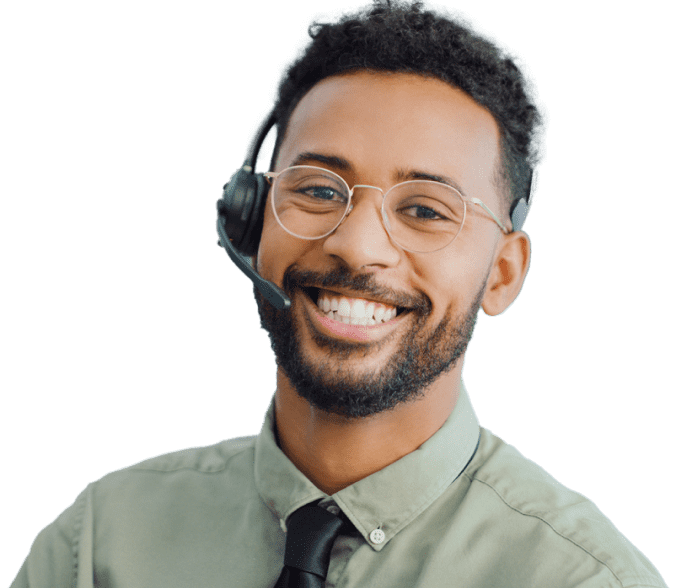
<point x="421" y="216"/>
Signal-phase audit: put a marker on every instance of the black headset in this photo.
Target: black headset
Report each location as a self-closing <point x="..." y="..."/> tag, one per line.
<point x="240" y="216"/>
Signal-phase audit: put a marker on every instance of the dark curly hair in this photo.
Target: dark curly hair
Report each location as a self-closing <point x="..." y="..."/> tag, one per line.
<point x="395" y="36"/>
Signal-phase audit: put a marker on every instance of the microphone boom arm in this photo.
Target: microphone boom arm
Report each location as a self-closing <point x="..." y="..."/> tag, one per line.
<point x="273" y="294"/>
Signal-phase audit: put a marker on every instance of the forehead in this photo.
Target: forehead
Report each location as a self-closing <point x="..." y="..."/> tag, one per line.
<point x="386" y="122"/>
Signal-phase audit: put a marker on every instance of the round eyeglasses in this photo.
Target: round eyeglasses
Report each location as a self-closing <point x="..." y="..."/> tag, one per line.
<point x="421" y="216"/>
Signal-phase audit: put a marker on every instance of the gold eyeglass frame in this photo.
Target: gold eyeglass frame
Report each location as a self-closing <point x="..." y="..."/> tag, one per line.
<point x="271" y="176"/>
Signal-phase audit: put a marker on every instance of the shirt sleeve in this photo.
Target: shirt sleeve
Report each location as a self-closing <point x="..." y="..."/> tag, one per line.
<point x="58" y="557"/>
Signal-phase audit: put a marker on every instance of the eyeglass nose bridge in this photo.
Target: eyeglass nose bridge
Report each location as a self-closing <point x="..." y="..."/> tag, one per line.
<point x="349" y="210"/>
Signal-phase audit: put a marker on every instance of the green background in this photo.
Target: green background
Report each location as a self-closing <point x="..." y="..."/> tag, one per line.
<point x="127" y="333"/>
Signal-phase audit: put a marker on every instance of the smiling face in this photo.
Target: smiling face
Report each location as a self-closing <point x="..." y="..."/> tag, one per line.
<point x="380" y="129"/>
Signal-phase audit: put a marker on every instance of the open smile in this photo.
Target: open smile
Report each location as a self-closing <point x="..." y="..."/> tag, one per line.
<point x="355" y="319"/>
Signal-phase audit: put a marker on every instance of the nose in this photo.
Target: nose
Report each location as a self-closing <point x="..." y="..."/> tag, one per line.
<point x="361" y="240"/>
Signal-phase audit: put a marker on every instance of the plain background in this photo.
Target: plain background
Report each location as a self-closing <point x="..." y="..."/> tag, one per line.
<point x="127" y="333"/>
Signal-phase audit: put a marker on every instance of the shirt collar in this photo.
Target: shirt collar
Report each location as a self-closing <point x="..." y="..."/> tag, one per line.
<point x="387" y="500"/>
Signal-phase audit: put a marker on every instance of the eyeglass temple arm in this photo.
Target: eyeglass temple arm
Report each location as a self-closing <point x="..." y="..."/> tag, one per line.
<point x="488" y="210"/>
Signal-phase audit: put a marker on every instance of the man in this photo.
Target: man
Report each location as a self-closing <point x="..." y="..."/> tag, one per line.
<point x="400" y="178"/>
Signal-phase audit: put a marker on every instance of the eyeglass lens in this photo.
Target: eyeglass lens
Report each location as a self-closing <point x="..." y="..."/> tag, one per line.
<point x="420" y="215"/>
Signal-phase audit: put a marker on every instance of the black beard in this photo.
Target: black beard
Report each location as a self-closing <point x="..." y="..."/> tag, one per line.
<point x="333" y="387"/>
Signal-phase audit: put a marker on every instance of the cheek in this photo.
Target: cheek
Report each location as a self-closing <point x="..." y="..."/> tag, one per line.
<point x="269" y="241"/>
<point x="277" y="249"/>
<point x="471" y="254"/>
<point x="453" y="281"/>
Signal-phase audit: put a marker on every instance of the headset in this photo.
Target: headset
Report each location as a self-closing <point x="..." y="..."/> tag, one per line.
<point x="240" y="216"/>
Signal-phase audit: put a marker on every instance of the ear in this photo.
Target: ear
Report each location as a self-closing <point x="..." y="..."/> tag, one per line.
<point x="510" y="266"/>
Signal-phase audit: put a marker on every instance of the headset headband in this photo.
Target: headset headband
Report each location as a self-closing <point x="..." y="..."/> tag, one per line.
<point x="257" y="142"/>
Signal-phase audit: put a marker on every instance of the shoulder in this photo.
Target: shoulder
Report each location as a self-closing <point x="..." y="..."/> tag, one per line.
<point x="539" y="506"/>
<point x="212" y="458"/>
<point x="184" y="473"/>
<point x="121" y="515"/>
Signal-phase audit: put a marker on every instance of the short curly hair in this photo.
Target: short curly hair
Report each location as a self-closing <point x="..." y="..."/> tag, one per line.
<point x="396" y="36"/>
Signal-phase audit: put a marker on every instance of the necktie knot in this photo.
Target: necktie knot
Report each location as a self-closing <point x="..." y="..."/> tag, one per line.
<point x="310" y="534"/>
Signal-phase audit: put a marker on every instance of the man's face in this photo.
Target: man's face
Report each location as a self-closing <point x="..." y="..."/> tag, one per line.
<point x="384" y="129"/>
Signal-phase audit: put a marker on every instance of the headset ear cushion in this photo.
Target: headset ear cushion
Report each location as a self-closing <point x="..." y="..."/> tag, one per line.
<point x="519" y="213"/>
<point x="242" y="207"/>
<point x="254" y="228"/>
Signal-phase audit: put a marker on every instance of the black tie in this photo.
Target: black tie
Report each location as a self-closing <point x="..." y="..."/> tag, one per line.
<point x="310" y="534"/>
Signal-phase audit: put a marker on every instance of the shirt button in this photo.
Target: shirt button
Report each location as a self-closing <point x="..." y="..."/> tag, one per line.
<point x="333" y="509"/>
<point x="377" y="536"/>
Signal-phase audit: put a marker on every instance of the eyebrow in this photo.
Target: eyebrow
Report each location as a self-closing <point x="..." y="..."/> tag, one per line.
<point x="331" y="160"/>
<point x="403" y="175"/>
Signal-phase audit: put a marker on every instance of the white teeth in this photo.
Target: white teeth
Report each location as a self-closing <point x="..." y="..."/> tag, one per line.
<point x="354" y="311"/>
<point x="358" y="309"/>
<point x="379" y="314"/>
<point x="344" y="307"/>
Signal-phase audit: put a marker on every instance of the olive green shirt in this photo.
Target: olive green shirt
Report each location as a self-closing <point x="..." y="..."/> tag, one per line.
<point x="464" y="510"/>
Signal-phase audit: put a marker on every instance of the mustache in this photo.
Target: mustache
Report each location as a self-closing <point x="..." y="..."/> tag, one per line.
<point x="364" y="285"/>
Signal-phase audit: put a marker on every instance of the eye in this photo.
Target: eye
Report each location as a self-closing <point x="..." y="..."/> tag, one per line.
<point x="422" y="213"/>
<point x="319" y="192"/>
<point x="426" y="203"/>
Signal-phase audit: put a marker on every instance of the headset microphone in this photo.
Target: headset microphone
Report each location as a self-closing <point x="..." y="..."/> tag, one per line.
<point x="271" y="291"/>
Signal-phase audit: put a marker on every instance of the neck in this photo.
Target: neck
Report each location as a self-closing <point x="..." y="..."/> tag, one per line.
<point x="334" y="452"/>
